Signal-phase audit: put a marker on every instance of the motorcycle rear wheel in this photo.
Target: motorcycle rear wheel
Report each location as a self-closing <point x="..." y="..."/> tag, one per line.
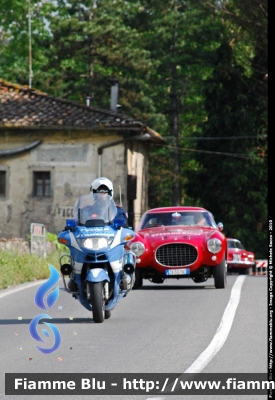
<point x="97" y="295"/>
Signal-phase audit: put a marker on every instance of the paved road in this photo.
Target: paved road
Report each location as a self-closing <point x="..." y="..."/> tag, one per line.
<point x="166" y="328"/>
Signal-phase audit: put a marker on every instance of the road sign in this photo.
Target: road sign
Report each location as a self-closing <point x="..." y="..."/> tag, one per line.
<point x="38" y="239"/>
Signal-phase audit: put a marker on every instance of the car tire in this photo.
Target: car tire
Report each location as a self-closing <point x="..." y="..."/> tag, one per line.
<point x="138" y="279"/>
<point x="107" y="314"/>
<point x="219" y="273"/>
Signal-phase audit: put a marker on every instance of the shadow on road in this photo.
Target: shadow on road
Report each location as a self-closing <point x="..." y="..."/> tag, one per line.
<point x="171" y="287"/>
<point x="52" y="320"/>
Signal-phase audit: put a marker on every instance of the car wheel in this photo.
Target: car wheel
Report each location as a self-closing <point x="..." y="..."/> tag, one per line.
<point x="138" y="279"/>
<point x="107" y="314"/>
<point x="219" y="273"/>
<point x="244" y="271"/>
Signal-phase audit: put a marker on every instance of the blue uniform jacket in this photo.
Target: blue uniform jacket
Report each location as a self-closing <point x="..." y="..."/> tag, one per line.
<point x="121" y="213"/>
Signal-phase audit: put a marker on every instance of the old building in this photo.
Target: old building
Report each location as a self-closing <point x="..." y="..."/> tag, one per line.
<point x="52" y="149"/>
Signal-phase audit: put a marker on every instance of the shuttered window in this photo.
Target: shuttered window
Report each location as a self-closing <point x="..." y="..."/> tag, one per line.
<point x="2" y="183"/>
<point x="42" y="183"/>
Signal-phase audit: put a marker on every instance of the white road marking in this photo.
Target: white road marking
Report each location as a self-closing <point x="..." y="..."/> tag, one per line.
<point x="222" y="331"/>
<point x="220" y="336"/>
<point x="13" y="289"/>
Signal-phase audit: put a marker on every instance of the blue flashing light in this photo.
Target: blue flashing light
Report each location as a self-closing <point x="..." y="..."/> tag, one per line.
<point x="70" y="223"/>
<point x="118" y="222"/>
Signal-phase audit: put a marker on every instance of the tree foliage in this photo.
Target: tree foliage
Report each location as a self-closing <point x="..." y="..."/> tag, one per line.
<point x="231" y="179"/>
<point x="188" y="69"/>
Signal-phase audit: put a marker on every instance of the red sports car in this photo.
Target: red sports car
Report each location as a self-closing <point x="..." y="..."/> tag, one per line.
<point x="239" y="259"/>
<point x="179" y="242"/>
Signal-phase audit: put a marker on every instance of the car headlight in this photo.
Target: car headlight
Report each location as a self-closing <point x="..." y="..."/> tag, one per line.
<point x="214" y="245"/>
<point x="95" y="243"/>
<point x="137" y="248"/>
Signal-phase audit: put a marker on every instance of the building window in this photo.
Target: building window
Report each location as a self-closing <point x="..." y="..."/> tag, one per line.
<point x="42" y="183"/>
<point x="2" y="183"/>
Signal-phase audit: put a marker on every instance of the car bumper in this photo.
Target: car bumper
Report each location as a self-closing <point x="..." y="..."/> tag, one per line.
<point x="240" y="264"/>
<point x="149" y="273"/>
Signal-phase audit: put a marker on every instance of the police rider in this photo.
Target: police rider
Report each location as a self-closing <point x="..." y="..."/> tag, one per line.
<point x="104" y="187"/>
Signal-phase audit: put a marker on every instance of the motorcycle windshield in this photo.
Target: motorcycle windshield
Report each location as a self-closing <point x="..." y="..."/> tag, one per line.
<point x="95" y="209"/>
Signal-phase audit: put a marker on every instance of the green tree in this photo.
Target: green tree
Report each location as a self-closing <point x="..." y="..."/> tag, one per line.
<point x="239" y="84"/>
<point x="232" y="178"/>
<point x="22" y="28"/>
<point x="180" y="37"/>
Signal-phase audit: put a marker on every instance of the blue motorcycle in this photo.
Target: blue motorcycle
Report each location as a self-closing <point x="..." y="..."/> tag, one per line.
<point x="100" y="267"/>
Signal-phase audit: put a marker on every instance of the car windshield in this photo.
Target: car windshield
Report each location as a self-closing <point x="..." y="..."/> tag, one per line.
<point x="234" y="244"/>
<point x="187" y="218"/>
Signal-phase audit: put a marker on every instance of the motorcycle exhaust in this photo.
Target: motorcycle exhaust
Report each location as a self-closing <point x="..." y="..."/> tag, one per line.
<point x="129" y="263"/>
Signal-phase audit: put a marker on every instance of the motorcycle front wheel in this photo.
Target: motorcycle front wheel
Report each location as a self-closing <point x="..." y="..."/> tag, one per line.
<point x="97" y="294"/>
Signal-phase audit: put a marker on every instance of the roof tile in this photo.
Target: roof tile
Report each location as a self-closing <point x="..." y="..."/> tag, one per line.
<point x="24" y="107"/>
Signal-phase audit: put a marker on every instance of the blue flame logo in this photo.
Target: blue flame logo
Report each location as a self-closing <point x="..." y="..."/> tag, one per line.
<point x="45" y="287"/>
<point x="45" y="302"/>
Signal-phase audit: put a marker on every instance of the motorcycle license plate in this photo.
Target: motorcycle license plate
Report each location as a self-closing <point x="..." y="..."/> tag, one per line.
<point x="182" y="271"/>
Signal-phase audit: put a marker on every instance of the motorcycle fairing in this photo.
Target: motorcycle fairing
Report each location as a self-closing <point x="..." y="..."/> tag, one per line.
<point x="97" y="275"/>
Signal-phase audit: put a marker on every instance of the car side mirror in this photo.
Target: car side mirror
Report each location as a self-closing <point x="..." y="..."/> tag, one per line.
<point x="220" y="226"/>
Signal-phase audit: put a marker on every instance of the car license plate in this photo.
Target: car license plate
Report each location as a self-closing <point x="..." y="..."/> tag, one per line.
<point x="236" y="257"/>
<point x="182" y="271"/>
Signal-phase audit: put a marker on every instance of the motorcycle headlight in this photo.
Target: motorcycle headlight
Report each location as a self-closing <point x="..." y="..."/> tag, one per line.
<point x="214" y="245"/>
<point x="96" y="243"/>
<point x="137" y="248"/>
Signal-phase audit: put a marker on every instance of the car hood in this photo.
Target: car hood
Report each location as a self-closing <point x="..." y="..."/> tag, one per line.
<point x="193" y="235"/>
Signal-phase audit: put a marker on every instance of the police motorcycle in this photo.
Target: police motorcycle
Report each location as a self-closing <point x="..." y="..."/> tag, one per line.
<point x="99" y="267"/>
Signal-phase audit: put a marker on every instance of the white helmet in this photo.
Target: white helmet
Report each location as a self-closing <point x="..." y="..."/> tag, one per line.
<point x="102" y="181"/>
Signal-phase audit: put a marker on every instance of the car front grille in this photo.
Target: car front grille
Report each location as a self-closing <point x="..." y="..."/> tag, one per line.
<point x="176" y="255"/>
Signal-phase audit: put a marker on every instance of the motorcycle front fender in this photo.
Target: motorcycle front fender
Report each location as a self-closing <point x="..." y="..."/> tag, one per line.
<point x="97" y="275"/>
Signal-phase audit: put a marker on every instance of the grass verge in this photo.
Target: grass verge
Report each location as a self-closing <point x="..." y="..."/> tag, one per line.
<point x="18" y="268"/>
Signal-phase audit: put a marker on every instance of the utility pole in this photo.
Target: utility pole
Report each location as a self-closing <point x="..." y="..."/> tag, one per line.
<point x="30" y="45"/>
<point x="175" y="121"/>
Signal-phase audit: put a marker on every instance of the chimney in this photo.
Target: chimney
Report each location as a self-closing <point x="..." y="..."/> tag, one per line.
<point x="88" y="101"/>
<point x="114" y="95"/>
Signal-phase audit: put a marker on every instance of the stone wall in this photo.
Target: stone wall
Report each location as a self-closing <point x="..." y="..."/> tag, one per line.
<point x="22" y="246"/>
